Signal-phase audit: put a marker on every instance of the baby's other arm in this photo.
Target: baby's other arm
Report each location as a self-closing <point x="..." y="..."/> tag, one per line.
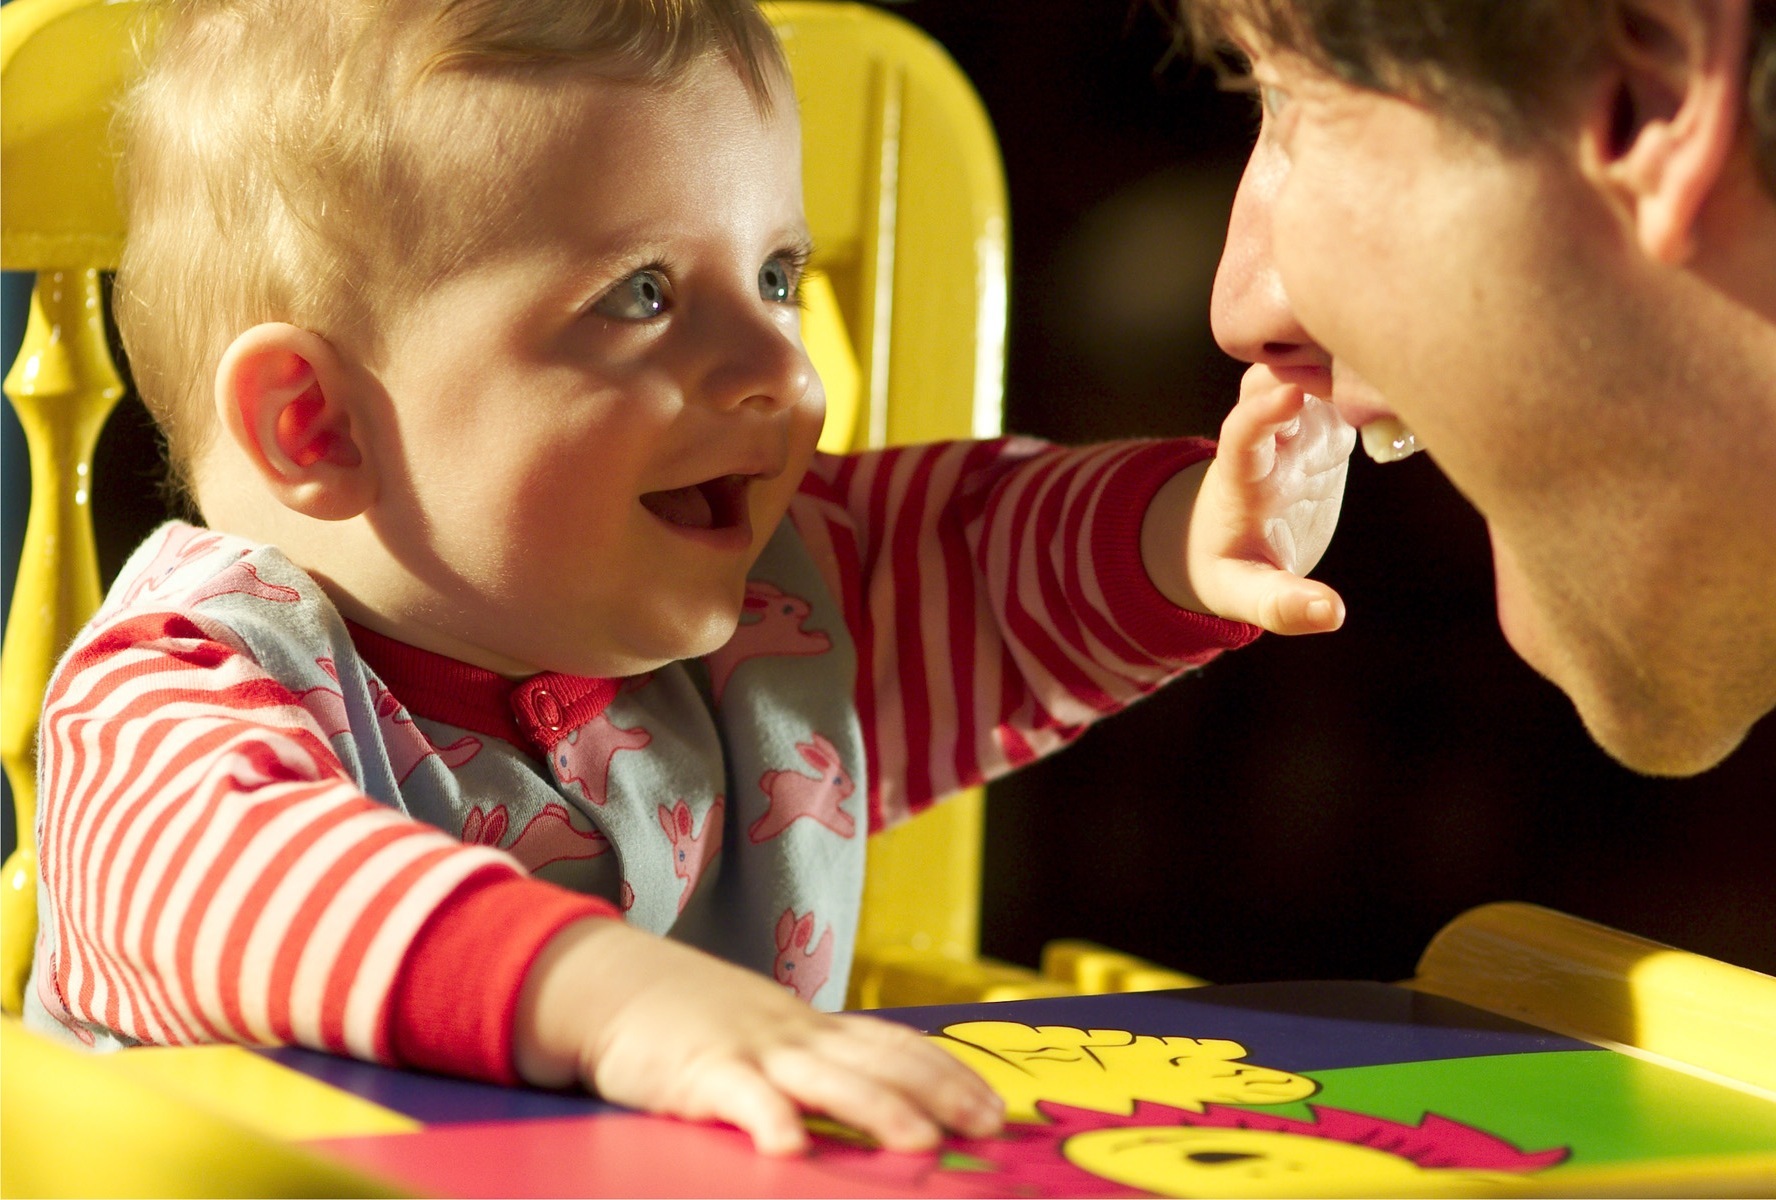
<point x="998" y="598"/>
<point x="1235" y="536"/>
<point x="659" y="1026"/>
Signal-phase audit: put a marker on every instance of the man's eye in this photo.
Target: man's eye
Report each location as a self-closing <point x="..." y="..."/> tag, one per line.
<point x="1272" y="97"/>
<point x="779" y="281"/>
<point x="640" y="297"/>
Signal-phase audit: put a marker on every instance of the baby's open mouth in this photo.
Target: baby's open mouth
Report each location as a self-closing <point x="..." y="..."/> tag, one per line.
<point x="713" y="504"/>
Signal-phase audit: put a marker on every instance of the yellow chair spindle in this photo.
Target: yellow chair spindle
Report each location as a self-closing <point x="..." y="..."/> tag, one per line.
<point x="63" y="385"/>
<point x="881" y="198"/>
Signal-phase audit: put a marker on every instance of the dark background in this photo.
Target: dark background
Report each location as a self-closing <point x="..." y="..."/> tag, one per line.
<point x="1306" y="808"/>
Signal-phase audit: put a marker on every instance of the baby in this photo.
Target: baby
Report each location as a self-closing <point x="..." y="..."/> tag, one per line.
<point x="532" y="677"/>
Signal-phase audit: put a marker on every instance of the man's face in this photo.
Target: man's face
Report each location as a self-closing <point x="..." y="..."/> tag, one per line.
<point x="1496" y="301"/>
<point x="590" y="435"/>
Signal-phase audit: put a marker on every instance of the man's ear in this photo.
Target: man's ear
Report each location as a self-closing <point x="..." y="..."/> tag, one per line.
<point x="284" y="396"/>
<point x="1660" y="131"/>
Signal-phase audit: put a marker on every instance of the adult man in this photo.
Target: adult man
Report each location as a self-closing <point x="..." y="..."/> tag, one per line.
<point x="1543" y="236"/>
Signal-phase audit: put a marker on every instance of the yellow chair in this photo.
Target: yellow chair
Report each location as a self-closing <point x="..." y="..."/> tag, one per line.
<point x="903" y="187"/>
<point x="59" y="66"/>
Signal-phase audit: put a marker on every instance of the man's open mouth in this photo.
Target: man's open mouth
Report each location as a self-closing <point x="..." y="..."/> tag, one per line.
<point x="713" y="504"/>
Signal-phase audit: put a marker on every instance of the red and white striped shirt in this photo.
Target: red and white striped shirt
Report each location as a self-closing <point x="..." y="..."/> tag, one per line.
<point x="215" y="869"/>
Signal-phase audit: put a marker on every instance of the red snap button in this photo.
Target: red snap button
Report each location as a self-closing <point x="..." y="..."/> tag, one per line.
<point x="548" y="711"/>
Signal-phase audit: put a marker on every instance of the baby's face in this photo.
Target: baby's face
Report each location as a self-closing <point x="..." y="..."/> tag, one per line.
<point x="592" y="435"/>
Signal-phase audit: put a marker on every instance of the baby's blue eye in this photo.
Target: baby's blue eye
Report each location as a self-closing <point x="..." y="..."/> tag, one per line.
<point x="640" y="297"/>
<point x="778" y="281"/>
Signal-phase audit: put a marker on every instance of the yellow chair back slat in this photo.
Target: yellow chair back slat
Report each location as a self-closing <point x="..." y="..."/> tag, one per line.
<point x="906" y="198"/>
<point x="61" y="63"/>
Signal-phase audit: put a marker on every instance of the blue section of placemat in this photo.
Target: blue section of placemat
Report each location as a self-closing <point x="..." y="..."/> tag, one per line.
<point x="1288" y="1026"/>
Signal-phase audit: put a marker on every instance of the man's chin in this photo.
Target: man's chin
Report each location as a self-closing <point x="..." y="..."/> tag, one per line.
<point x="1631" y="718"/>
<point x="1654" y="741"/>
<point x="1639" y="728"/>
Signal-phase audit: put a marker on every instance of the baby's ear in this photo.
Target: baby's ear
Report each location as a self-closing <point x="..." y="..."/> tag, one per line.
<point x="285" y="396"/>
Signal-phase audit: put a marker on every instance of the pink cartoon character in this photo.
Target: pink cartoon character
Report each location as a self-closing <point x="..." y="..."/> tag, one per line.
<point x="817" y="797"/>
<point x="802" y="970"/>
<point x="770" y="623"/>
<point x="550" y="836"/>
<point x="184" y="546"/>
<point x="690" y="854"/>
<point x="406" y="744"/>
<point x="584" y="756"/>
<point x="242" y="579"/>
<point x="180" y="546"/>
<point x="327" y="704"/>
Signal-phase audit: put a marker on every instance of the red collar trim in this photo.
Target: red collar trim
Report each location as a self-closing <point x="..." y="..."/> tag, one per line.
<point x="537" y="712"/>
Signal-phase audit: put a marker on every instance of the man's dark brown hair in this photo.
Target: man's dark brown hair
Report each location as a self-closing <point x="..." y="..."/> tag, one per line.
<point x="1503" y="67"/>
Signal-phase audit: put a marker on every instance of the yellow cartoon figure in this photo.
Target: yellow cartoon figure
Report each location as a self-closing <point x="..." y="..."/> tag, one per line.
<point x="1107" y="1070"/>
<point x="1160" y="1150"/>
<point x="1224" y="1152"/>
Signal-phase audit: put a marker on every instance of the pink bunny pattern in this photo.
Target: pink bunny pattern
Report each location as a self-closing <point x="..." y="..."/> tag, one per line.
<point x="186" y="545"/>
<point x="793" y="795"/>
<point x="183" y="544"/>
<point x="774" y="627"/>
<point x="550" y="836"/>
<point x="242" y="579"/>
<point x="407" y="746"/>
<point x="690" y="854"/>
<point x="802" y="970"/>
<point x="583" y="757"/>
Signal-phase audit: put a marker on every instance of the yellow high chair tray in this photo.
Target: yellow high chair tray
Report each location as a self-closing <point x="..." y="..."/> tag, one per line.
<point x="1533" y="1055"/>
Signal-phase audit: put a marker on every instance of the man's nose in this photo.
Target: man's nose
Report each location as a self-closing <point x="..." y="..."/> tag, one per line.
<point x="1250" y="310"/>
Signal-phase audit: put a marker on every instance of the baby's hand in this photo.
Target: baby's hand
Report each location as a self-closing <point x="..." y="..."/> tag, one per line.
<point x="655" y="1025"/>
<point x="1258" y="516"/>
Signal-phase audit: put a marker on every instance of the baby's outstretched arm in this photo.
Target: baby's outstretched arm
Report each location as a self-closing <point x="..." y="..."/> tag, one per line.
<point x="659" y="1026"/>
<point x="1235" y="536"/>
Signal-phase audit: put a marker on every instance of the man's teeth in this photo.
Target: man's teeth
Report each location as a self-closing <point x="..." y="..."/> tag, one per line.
<point x="1388" y="440"/>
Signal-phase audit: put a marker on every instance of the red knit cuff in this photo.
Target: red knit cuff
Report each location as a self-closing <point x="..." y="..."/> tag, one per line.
<point x="455" y="999"/>
<point x="1162" y="628"/>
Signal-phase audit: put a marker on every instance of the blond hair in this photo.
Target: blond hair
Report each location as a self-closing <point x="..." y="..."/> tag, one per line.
<point x="317" y="161"/>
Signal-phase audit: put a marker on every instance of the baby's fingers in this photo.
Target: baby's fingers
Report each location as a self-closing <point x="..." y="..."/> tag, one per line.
<point x="818" y="1083"/>
<point x="1273" y="599"/>
<point x="1248" y="440"/>
<point x="913" y="1065"/>
<point x="1283" y="420"/>
<point x="1306" y="606"/>
<point x="738" y="1094"/>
